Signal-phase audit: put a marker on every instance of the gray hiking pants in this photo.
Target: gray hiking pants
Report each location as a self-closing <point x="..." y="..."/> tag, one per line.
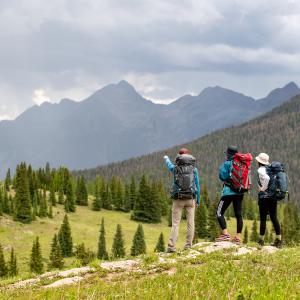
<point x="178" y="206"/>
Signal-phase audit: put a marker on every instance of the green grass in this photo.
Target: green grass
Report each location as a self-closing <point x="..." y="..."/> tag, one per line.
<point x="85" y="225"/>
<point x="211" y="276"/>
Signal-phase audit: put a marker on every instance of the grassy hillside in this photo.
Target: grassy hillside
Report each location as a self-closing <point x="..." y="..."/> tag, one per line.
<point x="219" y="275"/>
<point x="85" y="225"/>
<point x="276" y="133"/>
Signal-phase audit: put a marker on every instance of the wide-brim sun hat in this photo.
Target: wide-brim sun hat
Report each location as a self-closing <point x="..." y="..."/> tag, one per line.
<point x="263" y="158"/>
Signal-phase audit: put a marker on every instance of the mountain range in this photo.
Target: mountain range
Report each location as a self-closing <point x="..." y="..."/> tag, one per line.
<point x="276" y="133"/>
<point x="117" y="123"/>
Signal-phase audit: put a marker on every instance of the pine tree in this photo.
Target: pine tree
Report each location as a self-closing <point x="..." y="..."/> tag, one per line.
<point x="201" y="221"/>
<point x="13" y="267"/>
<point x="65" y="238"/>
<point x="5" y="203"/>
<point x="138" y="244"/>
<point x="7" y="182"/>
<point x="34" y="207"/>
<point x="23" y="203"/>
<point x="245" y="239"/>
<point x="160" y="246"/>
<point x="69" y="202"/>
<point x="97" y="200"/>
<point x="254" y="233"/>
<point x="36" y="260"/>
<point x="153" y="205"/>
<point x="118" y="248"/>
<point x="213" y="226"/>
<point x="3" y="267"/>
<point x="113" y="190"/>
<point x="102" y="253"/>
<point x="56" y="258"/>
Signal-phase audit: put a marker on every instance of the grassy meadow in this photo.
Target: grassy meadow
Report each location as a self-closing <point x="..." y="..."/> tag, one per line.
<point x="85" y="225"/>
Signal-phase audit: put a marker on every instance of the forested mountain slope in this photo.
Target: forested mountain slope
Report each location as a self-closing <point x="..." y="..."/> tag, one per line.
<point x="276" y="133"/>
<point x="117" y="123"/>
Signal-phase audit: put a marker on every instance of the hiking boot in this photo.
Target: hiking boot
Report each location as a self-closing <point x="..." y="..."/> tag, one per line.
<point x="223" y="238"/>
<point x="171" y="250"/>
<point x="187" y="247"/>
<point x="277" y="243"/>
<point x="236" y="240"/>
<point x="261" y="242"/>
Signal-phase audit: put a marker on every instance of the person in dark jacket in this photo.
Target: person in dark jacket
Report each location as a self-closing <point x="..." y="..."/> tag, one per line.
<point x="229" y="196"/>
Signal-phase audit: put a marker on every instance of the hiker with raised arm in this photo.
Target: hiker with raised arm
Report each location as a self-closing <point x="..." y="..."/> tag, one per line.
<point x="185" y="193"/>
<point x="235" y="175"/>
<point x="272" y="187"/>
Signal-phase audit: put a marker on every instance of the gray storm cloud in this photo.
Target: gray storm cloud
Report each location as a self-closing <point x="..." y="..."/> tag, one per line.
<point x="61" y="48"/>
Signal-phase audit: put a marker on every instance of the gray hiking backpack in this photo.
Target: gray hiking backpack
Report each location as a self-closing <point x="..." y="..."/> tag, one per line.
<point x="184" y="185"/>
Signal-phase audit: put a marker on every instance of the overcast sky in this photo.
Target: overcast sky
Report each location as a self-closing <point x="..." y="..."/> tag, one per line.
<point x="69" y="48"/>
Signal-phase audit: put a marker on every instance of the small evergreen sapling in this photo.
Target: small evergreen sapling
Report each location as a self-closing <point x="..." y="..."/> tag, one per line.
<point x="160" y="246"/>
<point x="138" y="243"/>
<point x="118" y="248"/>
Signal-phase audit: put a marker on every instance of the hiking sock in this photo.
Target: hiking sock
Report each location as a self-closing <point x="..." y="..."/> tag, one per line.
<point x="278" y="237"/>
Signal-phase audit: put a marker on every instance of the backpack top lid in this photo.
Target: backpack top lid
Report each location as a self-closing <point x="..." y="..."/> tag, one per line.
<point x="276" y="167"/>
<point x="185" y="159"/>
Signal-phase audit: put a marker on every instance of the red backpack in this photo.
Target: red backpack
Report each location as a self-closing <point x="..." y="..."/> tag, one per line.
<point x="240" y="177"/>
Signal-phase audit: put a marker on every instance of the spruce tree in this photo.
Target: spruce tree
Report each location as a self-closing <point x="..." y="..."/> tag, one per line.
<point x="291" y="224"/>
<point x="106" y="198"/>
<point x="81" y="192"/>
<point x="52" y="199"/>
<point x="119" y="202"/>
<point x="13" y="267"/>
<point x="140" y="211"/>
<point x="160" y="246"/>
<point x="69" y="201"/>
<point x="113" y="190"/>
<point x="3" y="267"/>
<point x="138" y="244"/>
<point x="56" y="258"/>
<point x="34" y="207"/>
<point x="43" y="212"/>
<point x="50" y="212"/>
<point x="127" y="200"/>
<point x="61" y="199"/>
<point x="201" y="221"/>
<point x="213" y="226"/>
<point x="204" y="196"/>
<point x="65" y="238"/>
<point x="7" y="182"/>
<point x="153" y="206"/>
<point x="267" y="236"/>
<point x="97" y="198"/>
<point x="102" y="253"/>
<point x="36" y="260"/>
<point x="22" y="198"/>
<point x="5" y="203"/>
<point x="254" y="233"/>
<point x="118" y="248"/>
<point x="245" y="239"/>
<point x="133" y="194"/>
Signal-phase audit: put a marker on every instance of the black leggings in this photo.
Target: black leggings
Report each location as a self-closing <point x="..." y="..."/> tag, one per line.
<point x="225" y="201"/>
<point x="268" y="206"/>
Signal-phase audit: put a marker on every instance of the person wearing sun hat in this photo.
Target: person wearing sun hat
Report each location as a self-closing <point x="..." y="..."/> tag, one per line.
<point x="266" y="204"/>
